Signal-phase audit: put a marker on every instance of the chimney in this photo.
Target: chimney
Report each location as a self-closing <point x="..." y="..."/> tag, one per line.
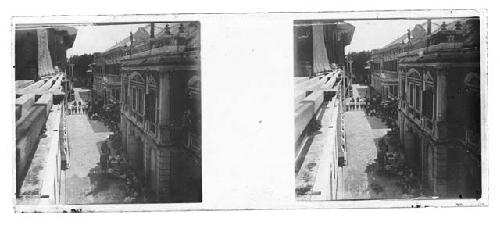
<point x="131" y="43"/>
<point x="152" y="33"/>
<point x="429" y="27"/>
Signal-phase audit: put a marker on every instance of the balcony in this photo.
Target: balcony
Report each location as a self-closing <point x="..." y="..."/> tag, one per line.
<point x="387" y="75"/>
<point x="173" y="43"/>
<point x="138" y="117"/>
<point x="467" y="137"/>
<point x="193" y="143"/>
<point x="428" y="124"/>
<point x="472" y="138"/>
<point x="152" y="128"/>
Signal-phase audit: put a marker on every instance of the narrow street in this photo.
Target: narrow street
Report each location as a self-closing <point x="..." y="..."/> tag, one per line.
<point x="85" y="184"/>
<point x="360" y="178"/>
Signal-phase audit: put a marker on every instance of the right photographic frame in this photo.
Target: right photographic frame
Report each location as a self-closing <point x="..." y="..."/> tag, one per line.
<point x="388" y="108"/>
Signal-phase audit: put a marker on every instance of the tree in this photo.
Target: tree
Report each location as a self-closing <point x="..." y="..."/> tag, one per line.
<point x="359" y="63"/>
<point x="81" y="64"/>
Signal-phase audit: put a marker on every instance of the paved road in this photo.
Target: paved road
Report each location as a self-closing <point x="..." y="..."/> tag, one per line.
<point x="360" y="181"/>
<point x="84" y="182"/>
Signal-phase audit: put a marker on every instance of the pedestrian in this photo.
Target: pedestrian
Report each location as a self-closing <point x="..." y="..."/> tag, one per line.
<point x="79" y="107"/>
<point x="74" y="108"/>
<point x="104" y="156"/>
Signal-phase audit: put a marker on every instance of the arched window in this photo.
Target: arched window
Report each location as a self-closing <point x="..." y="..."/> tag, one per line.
<point x="137" y="78"/>
<point x="137" y="84"/>
<point x="415" y="92"/>
<point x="428" y="96"/>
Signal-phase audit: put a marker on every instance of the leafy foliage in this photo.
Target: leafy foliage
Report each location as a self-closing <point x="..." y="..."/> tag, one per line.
<point x="359" y="62"/>
<point x="81" y="64"/>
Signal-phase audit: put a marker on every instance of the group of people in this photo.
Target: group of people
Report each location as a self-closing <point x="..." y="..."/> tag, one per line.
<point x="77" y="108"/>
<point x="356" y="104"/>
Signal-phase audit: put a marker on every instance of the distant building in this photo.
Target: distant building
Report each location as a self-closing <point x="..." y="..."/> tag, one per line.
<point x="106" y="82"/>
<point x="439" y="110"/>
<point x="384" y="62"/>
<point x="38" y="51"/>
<point x="161" y="109"/>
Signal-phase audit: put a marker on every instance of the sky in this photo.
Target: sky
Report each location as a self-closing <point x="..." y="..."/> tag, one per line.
<point x="373" y="34"/>
<point x="91" y="38"/>
<point x="368" y="35"/>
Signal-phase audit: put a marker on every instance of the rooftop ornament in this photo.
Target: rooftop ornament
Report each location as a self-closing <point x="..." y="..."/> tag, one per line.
<point x="167" y="29"/>
<point x="443" y="26"/>
<point x="181" y="28"/>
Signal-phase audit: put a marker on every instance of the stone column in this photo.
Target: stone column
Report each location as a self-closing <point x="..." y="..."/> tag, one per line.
<point x="164" y="174"/>
<point x="164" y="96"/>
<point x="164" y="102"/>
<point x="124" y="132"/>
<point x="441" y="95"/>
<point x="131" y="144"/>
<point x="441" y="107"/>
<point x="441" y="174"/>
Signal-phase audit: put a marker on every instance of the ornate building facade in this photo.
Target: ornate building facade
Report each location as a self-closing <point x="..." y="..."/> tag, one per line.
<point x="161" y="110"/>
<point x="439" y="110"/>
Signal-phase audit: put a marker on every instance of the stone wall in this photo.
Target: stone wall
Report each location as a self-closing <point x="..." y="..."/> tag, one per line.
<point x="42" y="184"/>
<point x="29" y="127"/>
<point x="34" y="105"/>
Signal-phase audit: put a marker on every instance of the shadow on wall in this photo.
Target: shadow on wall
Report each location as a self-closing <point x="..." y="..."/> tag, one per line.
<point x="376" y="123"/>
<point x="98" y="126"/>
<point x="187" y="178"/>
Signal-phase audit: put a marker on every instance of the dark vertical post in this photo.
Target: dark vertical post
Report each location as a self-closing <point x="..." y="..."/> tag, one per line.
<point x="152" y="30"/>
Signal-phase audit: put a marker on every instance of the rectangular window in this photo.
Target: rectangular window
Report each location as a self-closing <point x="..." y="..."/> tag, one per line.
<point x="418" y="98"/>
<point x="412" y="89"/>
<point x="151" y="107"/>
<point x="141" y="101"/>
<point x="428" y="104"/>
<point x="134" y="98"/>
<point x="403" y="85"/>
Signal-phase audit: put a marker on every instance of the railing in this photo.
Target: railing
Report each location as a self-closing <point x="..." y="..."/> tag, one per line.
<point x="473" y="138"/>
<point x="428" y="123"/>
<point x="152" y="128"/>
<point x="194" y="144"/>
<point x="173" y="40"/>
<point x="341" y="133"/>
<point x="137" y="116"/>
<point x="388" y="74"/>
<point x="467" y="137"/>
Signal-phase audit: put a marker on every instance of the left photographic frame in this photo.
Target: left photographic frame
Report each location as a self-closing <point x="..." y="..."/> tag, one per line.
<point x="107" y="113"/>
